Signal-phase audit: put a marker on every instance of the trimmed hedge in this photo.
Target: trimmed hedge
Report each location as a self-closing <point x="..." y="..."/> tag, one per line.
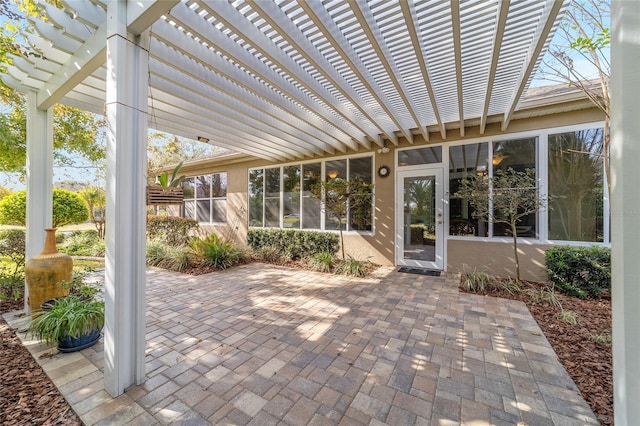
<point x="294" y="244"/>
<point x="171" y="230"/>
<point x="580" y="271"/>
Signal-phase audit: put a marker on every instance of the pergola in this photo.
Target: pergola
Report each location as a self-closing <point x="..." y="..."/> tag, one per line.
<point x="283" y="80"/>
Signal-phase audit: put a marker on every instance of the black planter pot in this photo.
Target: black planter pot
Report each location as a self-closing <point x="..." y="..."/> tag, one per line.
<point x="74" y="344"/>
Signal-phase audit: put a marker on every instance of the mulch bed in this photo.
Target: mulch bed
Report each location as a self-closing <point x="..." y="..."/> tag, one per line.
<point x="27" y="396"/>
<point x="588" y="362"/>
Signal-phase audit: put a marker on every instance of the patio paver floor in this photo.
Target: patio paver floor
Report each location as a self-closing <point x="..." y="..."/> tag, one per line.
<point x="266" y="345"/>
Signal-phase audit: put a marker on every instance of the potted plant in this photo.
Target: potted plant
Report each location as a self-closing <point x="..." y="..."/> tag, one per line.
<point x="74" y="324"/>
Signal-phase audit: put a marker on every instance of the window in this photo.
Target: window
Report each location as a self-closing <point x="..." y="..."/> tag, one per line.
<point x="519" y="155"/>
<point x="281" y="196"/>
<point x="465" y="161"/>
<point x="576" y="186"/>
<point x="416" y="156"/>
<point x="205" y="198"/>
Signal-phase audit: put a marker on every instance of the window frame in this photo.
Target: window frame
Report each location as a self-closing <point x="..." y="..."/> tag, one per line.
<point x="323" y="177"/>
<point x="210" y="198"/>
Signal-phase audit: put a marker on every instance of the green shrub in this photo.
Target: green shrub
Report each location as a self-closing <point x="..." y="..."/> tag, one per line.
<point x="12" y="245"/>
<point x="173" y="230"/>
<point x="83" y="243"/>
<point x="270" y="254"/>
<point x="323" y="262"/>
<point x="156" y="252"/>
<point x="68" y="207"/>
<point x="417" y="234"/>
<point x="477" y="282"/>
<point x="11" y="287"/>
<point x="169" y="257"/>
<point x="292" y="243"/>
<point x="354" y="267"/>
<point x="579" y="271"/>
<point x="215" y="252"/>
<point x="568" y="317"/>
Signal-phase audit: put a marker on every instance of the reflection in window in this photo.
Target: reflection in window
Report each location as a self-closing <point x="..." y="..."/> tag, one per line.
<point x="576" y="186"/>
<point x="285" y="194"/>
<point x="425" y="155"/>
<point x="205" y="198"/>
<point x="256" y="200"/>
<point x="466" y="161"/>
<point x="272" y="197"/>
<point x="519" y="155"/>
<point x="311" y="175"/>
<point x="360" y="218"/>
<point x="291" y="197"/>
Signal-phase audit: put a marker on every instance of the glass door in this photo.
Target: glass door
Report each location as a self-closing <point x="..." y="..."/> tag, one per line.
<point x="420" y="219"/>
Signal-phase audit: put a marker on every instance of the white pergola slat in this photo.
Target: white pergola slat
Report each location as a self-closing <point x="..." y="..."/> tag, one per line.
<point x="319" y="77"/>
<point x="280" y="80"/>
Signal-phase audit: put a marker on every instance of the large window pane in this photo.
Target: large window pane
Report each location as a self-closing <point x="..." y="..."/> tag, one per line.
<point x="576" y="186"/>
<point x="272" y="197"/>
<point x="219" y="185"/>
<point x="336" y="169"/>
<point x="189" y="209"/>
<point x="256" y="201"/>
<point x="203" y="186"/>
<point x="519" y="155"/>
<point x="187" y="188"/>
<point x="218" y="210"/>
<point x="361" y="217"/>
<point x="291" y="196"/>
<point x="203" y="211"/>
<point x="310" y="205"/>
<point x="466" y="161"/>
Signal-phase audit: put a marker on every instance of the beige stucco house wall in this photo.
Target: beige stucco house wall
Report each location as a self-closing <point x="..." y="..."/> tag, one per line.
<point x="461" y="254"/>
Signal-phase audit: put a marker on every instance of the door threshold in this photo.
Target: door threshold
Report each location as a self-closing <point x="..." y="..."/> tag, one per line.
<point x="420" y="271"/>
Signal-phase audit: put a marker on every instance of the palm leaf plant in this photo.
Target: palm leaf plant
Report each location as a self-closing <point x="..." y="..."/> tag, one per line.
<point x="69" y="318"/>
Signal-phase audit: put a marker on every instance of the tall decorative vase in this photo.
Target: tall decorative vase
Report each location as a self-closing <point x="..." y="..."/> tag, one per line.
<point x="45" y="272"/>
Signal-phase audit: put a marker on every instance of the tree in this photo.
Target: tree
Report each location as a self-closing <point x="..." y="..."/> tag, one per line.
<point x="75" y="131"/>
<point x="341" y="196"/>
<point x="507" y="197"/>
<point x="68" y="208"/>
<point x="96" y="199"/>
<point x="584" y="38"/>
<point x="164" y="150"/>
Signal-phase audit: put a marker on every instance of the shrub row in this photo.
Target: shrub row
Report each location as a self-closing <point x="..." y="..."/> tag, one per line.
<point x="172" y="230"/>
<point x="293" y="244"/>
<point x="580" y="271"/>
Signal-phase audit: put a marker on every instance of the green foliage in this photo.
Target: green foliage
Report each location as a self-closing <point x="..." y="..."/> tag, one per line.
<point x="96" y="199"/>
<point x="68" y="316"/>
<point x="11" y="287"/>
<point x="217" y="253"/>
<point x="340" y="196"/>
<point x="68" y="208"/>
<point x="354" y="267"/>
<point x="513" y="195"/>
<point x="12" y="245"/>
<point x="83" y="243"/>
<point x="169" y="257"/>
<point x="292" y="243"/>
<point x="270" y="254"/>
<point x="174" y="181"/>
<point x="477" y="282"/>
<point x="602" y="338"/>
<point x="579" y="271"/>
<point x="543" y="295"/>
<point x="323" y="262"/>
<point x="568" y="317"/>
<point x="172" y="230"/>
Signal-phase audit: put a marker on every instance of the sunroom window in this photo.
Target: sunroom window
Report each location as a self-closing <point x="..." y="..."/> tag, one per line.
<point x="281" y="196"/>
<point x="205" y="198"/>
<point x="576" y="186"/>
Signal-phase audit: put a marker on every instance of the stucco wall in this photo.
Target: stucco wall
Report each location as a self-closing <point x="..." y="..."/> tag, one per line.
<point x="379" y="247"/>
<point x="497" y="258"/>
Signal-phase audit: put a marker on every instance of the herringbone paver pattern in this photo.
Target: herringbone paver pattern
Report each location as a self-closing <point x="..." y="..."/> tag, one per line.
<point x="265" y="345"/>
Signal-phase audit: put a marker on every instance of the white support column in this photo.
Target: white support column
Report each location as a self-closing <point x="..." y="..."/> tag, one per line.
<point x="625" y="208"/>
<point x="126" y="110"/>
<point x="39" y="177"/>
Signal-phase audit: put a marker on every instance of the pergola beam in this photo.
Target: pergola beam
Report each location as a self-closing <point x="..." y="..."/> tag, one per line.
<point x="457" y="50"/>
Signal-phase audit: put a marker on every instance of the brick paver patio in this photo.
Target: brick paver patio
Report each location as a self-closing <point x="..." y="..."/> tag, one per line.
<point x="265" y="345"/>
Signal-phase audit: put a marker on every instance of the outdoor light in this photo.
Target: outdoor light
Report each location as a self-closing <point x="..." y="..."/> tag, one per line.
<point x="497" y="159"/>
<point x="332" y="174"/>
<point x="203" y="139"/>
<point x="384" y="148"/>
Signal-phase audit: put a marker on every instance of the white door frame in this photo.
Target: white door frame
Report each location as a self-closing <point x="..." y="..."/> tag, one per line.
<point x="429" y="170"/>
